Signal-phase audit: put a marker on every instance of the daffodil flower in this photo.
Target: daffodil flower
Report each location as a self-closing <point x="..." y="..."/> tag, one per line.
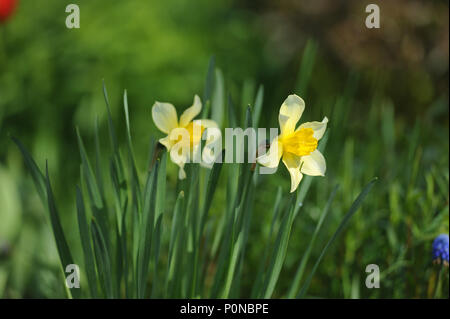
<point x="166" y="120"/>
<point x="297" y="147"/>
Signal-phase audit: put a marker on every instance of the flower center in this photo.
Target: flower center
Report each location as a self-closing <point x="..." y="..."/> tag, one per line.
<point x="301" y="142"/>
<point x="195" y="133"/>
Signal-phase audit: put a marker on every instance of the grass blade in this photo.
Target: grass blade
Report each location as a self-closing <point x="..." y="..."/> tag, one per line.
<point x="260" y="274"/>
<point x="156" y="249"/>
<point x="161" y="187"/>
<point x="112" y="131"/>
<point x="258" y="106"/>
<point x="353" y="209"/>
<point x="306" y="67"/>
<point x="146" y="231"/>
<point x="61" y="242"/>
<point x="175" y="238"/>
<point x="103" y="260"/>
<point x="217" y="102"/>
<point x="279" y="252"/>
<point x="209" y="82"/>
<point x="36" y="174"/>
<point x="232" y="121"/>
<point x="98" y="160"/>
<point x="86" y="244"/>
<point x="211" y="189"/>
<point x="94" y="192"/>
<point x="304" y="260"/>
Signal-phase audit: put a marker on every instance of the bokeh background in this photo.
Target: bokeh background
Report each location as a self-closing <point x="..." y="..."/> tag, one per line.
<point x="384" y="90"/>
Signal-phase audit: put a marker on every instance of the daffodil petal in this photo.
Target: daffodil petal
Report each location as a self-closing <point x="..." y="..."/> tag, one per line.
<point x="179" y="159"/>
<point x="319" y="128"/>
<point x="207" y="158"/>
<point x="272" y="157"/>
<point x="181" y="173"/>
<point x="208" y="123"/>
<point x="290" y="112"/>
<point x="213" y="146"/>
<point x="166" y="142"/>
<point x="165" y="116"/>
<point x="292" y="163"/>
<point x="190" y="113"/>
<point x="314" y="164"/>
<point x="180" y="136"/>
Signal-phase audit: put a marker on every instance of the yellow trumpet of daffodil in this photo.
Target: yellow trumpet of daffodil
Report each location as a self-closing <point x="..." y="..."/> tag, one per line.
<point x="166" y="120"/>
<point x="297" y="147"/>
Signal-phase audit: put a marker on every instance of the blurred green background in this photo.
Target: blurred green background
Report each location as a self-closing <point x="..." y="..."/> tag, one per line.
<point x="384" y="90"/>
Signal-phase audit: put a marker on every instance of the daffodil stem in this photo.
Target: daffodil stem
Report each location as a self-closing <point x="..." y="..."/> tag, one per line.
<point x="438" y="286"/>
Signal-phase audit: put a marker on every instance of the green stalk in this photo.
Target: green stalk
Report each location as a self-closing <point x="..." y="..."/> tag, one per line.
<point x="438" y="287"/>
<point x="353" y="209"/>
<point x="301" y="268"/>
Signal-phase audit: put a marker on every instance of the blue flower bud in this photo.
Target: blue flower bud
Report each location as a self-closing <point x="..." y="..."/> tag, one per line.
<point x="440" y="249"/>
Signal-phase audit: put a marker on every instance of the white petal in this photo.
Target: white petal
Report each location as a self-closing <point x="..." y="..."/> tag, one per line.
<point x="165" y="116"/>
<point x="292" y="163"/>
<point x="319" y="128"/>
<point x="208" y="123"/>
<point x="190" y="113"/>
<point x="179" y="155"/>
<point x="181" y="173"/>
<point x="208" y="157"/>
<point x="213" y="146"/>
<point x="166" y="142"/>
<point x="272" y="156"/>
<point x="290" y="112"/>
<point x="314" y="164"/>
<point x="180" y="149"/>
<point x="180" y="136"/>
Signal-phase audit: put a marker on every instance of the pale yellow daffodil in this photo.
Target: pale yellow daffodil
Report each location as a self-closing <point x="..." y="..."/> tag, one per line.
<point x="297" y="147"/>
<point x="166" y="120"/>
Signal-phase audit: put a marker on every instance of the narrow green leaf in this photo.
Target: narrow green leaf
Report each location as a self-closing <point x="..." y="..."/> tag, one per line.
<point x="260" y="273"/>
<point x="306" y="67"/>
<point x="132" y="162"/>
<point x="86" y="244"/>
<point x="176" y="225"/>
<point x="353" y="209"/>
<point x="211" y="189"/>
<point x="146" y="231"/>
<point x="36" y="174"/>
<point x="258" y="106"/>
<point x="103" y="260"/>
<point x="192" y="213"/>
<point x="61" y="242"/>
<point x="224" y="253"/>
<point x="232" y="266"/>
<point x="247" y="97"/>
<point x="112" y="131"/>
<point x="161" y="187"/>
<point x="247" y="213"/>
<point x="98" y="160"/>
<point x="233" y="227"/>
<point x="209" y="82"/>
<point x="279" y="252"/>
<point x="232" y="121"/>
<point x="241" y="227"/>
<point x="248" y="117"/>
<point x="218" y="98"/>
<point x="94" y="192"/>
<point x="156" y="247"/>
<point x="301" y="268"/>
<point x="97" y="203"/>
<point x="175" y="237"/>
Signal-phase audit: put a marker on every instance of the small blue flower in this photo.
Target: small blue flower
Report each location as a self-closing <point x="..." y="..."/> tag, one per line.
<point x="440" y="249"/>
